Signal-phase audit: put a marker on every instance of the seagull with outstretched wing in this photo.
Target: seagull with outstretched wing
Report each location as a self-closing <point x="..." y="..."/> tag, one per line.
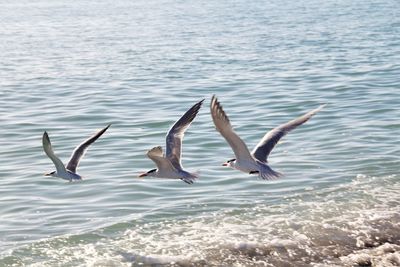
<point x="170" y="166"/>
<point x="69" y="172"/>
<point x="254" y="162"/>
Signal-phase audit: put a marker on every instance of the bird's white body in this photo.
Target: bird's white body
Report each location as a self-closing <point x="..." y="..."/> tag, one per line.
<point x="68" y="175"/>
<point x="255" y="167"/>
<point x="246" y="166"/>
<point x="173" y="173"/>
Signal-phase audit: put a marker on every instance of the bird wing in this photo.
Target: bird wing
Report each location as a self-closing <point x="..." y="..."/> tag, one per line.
<point x="223" y="125"/>
<point x="268" y="142"/>
<point x="175" y="135"/>
<point x="156" y="155"/>
<point x="48" y="149"/>
<point x="80" y="150"/>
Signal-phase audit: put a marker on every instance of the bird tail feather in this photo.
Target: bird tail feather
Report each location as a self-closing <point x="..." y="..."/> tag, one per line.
<point x="269" y="174"/>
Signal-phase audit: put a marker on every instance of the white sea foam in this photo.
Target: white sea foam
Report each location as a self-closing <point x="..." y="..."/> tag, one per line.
<point x="355" y="225"/>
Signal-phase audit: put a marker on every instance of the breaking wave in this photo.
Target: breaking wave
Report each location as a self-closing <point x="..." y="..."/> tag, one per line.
<point x="354" y="224"/>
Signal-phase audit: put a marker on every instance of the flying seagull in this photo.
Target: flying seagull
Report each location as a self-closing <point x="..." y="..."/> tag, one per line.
<point x="69" y="172"/>
<point x="254" y="162"/>
<point x="169" y="166"/>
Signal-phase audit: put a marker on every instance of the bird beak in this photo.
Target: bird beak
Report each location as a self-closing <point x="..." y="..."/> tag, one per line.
<point x="142" y="175"/>
<point x="225" y="164"/>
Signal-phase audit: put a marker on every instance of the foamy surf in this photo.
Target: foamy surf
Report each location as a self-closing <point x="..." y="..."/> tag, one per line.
<point x="356" y="224"/>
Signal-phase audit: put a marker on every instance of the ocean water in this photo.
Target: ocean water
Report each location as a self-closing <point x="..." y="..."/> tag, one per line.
<point x="72" y="67"/>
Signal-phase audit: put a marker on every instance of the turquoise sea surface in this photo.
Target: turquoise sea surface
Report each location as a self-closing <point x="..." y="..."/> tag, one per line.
<point x="72" y="67"/>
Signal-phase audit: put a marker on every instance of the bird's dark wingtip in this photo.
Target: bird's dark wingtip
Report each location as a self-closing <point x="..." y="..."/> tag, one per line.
<point x="104" y="129"/>
<point x="214" y="102"/>
<point x="45" y="139"/>
<point x="199" y="104"/>
<point x="188" y="181"/>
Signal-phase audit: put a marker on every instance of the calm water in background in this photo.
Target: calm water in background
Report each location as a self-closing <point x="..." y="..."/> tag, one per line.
<point x="71" y="68"/>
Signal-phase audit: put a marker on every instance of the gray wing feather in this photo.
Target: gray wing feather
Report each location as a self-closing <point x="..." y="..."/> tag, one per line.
<point x="268" y="142"/>
<point x="156" y="155"/>
<point x="223" y="125"/>
<point x="80" y="150"/>
<point x="48" y="149"/>
<point x="175" y="135"/>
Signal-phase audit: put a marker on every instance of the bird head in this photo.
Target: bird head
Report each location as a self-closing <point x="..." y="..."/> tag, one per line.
<point x="50" y="173"/>
<point x="230" y="163"/>
<point x="152" y="172"/>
